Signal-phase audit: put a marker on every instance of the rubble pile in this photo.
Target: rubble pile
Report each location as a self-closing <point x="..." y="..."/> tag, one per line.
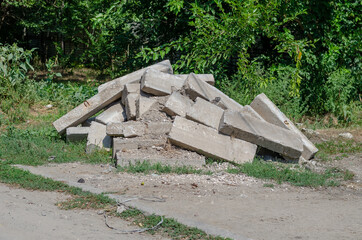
<point x="153" y="114"/>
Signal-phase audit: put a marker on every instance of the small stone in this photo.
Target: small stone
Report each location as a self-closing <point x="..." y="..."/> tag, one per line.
<point x="346" y="135"/>
<point x="81" y="180"/>
<point x="121" y="209"/>
<point x="49" y="106"/>
<point x="100" y="212"/>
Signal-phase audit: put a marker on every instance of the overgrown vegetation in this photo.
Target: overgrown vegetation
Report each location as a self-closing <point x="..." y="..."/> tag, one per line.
<point x="305" y="55"/>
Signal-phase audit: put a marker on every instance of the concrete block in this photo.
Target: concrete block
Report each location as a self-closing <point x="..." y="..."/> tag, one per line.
<point x="158" y="128"/>
<point x="133" y="129"/>
<point x="144" y="104"/>
<point x="209" y="78"/>
<point x="207" y="141"/>
<point x="130" y="88"/>
<point x="131" y="105"/>
<point x="114" y="113"/>
<point x="126" y="129"/>
<point x="89" y="107"/>
<point x="124" y="144"/>
<point x="164" y="66"/>
<point x="249" y="110"/>
<point x="272" y="114"/>
<point x="194" y="87"/>
<point x="177" y="104"/>
<point x="97" y="137"/>
<point x="75" y="134"/>
<point x="159" y="83"/>
<point x="262" y="133"/>
<point x="205" y="113"/>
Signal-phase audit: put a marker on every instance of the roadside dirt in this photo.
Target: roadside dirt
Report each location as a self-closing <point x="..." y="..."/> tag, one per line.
<point x="236" y="206"/>
<point x="34" y="215"/>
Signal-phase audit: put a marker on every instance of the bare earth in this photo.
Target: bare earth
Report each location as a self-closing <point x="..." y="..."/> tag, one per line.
<point x="34" y="215"/>
<point x="235" y="206"/>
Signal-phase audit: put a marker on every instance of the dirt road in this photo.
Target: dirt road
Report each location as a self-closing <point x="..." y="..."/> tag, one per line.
<point x="236" y="206"/>
<point x="33" y="215"/>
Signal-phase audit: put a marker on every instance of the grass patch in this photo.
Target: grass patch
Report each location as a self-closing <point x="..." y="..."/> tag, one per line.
<point x="298" y="176"/>
<point x="37" y="146"/>
<point x="146" y="167"/>
<point x="337" y="147"/>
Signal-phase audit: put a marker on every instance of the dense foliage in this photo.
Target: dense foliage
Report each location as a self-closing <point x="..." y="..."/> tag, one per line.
<point x="305" y="55"/>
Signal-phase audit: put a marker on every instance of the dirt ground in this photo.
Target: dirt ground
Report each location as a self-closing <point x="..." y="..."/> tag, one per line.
<point x="33" y="215"/>
<point x="235" y="206"/>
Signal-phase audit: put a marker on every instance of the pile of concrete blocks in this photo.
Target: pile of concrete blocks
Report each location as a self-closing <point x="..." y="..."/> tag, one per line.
<point x="153" y="114"/>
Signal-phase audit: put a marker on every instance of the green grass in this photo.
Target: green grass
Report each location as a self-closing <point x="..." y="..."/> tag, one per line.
<point x="146" y="167"/>
<point x="36" y="146"/>
<point x="328" y="149"/>
<point x="297" y="176"/>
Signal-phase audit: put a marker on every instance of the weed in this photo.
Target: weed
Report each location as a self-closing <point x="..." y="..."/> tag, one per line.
<point x="281" y="173"/>
<point x="270" y="185"/>
<point x="43" y="145"/>
<point x="146" y="167"/>
<point x="333" y="147"/>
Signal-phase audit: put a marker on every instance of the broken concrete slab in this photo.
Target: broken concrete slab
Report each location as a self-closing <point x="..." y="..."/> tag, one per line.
<point x="160" y="84"/>
<point x="130" y="88"/>
<point x="89" y="107"/>
<point x="75" y="134"/>
<point x="205" y="140"/>
<point x="205" y="113"/>
<point x="164" y="66"/>
<point x="272" y="114"/>
<point x="177" y="104"/>
<point x="144" y="104"/>
<point x="158" y="128"/>
<point x="124" y="144"/>
<point x="264" y="134"/>
<point x="195" y="87"/>
<point x="126" y="129"/>
<point x="114" y="113"/>
<point x="97" y="137"/>
<point x="133" y="129"/>
<point x="249" y="110"/>
<point x="209" y="78"/>
<point x="131" y="106"/>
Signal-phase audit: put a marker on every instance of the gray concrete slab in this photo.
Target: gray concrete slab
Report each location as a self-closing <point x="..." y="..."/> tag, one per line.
<point x="130" y="88"/>
<point x="207" y="141"/>
<point x="158" y="128"/>
<point x="195" y="87"/>
<point x="75" y="134"/>
<point x="97" y="138"/>
<point x="160" y="84"/>
<point x="89" y="107"/>
<point x="131" y="105"/>
<point x="164" y="66"/>
<point x="264" y="134"/>
<point x="144" y="104"/>
<point x="114" y="113"/>
<point x="272" y="114"/>
<point x="126" y="129"/>
<point x="209" y="78"/>
<point x="177" y="104"/>
<point x="205" y="113"/>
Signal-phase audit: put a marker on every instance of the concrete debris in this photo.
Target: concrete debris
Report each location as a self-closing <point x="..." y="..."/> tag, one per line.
<point x="177" y="104"/>
<point x="75" y="134"/>
<point x="272" y="114"/>
<point x="98" y="138"/>
<point x="264" y="134"/>
<point x="154" y="115"/>
<point x="346" y="135"/>
<point x="206" y="113"/>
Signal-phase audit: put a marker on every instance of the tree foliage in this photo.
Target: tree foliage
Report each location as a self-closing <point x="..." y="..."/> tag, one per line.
<point x="305" y="55"/>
